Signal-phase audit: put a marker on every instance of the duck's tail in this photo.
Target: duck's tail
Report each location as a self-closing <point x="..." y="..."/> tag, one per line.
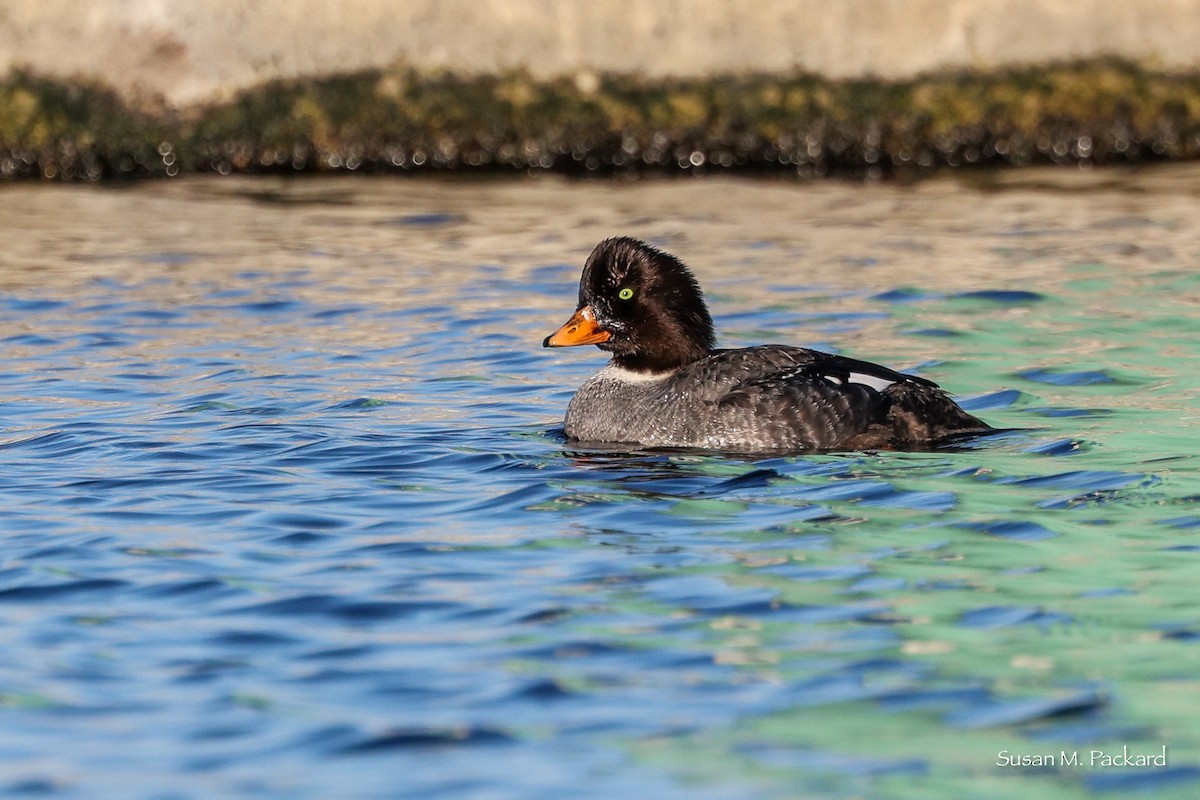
<point x="922" y="412"/>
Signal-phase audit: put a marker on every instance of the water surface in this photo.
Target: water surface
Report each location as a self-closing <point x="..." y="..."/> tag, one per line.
<point x="287" y="511"/>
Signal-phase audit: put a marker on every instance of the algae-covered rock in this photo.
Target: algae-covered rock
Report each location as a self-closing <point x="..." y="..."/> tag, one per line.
<point x="406" y="120"/>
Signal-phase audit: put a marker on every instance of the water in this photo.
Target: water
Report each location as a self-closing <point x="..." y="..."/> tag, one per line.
<point x="287" y="511"/>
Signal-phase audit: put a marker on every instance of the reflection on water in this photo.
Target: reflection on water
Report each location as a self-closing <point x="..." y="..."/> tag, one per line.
<point x="287" y="510"/>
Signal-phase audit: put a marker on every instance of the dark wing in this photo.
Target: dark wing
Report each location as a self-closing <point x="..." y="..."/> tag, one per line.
<point x="771" y="364"/>
<point x="800" y="398"/>
<point x="807" y="414"/>
<point x="850" y="370"/>
<point x="822" y="400"/>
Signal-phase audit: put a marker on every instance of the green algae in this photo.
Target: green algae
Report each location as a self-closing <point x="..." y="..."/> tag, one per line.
<point x="73" y="131"/>
<point x="401" y="119"/>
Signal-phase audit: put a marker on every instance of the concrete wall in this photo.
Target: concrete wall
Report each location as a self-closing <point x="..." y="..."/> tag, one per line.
<point x="194" y="50"/>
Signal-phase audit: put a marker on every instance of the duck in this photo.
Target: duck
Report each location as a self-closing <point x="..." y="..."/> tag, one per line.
<point x="668" y="386"/>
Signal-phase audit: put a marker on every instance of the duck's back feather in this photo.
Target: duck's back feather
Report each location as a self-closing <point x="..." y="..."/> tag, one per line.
<point x="771" y="397"/>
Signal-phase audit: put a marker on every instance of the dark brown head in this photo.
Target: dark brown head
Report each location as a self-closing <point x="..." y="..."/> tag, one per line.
<point x="642" y="305"/>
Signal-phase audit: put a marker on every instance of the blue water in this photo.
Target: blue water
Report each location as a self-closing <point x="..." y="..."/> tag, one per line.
<point x="287" y="511"/>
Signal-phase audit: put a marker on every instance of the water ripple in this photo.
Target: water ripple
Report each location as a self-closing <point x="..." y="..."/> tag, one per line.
<point x="293" y="515"/>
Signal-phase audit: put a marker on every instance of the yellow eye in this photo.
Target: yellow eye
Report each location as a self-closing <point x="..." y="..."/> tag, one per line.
<point x="625" y="293"/>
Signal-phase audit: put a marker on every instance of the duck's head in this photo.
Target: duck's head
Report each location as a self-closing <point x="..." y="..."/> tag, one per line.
<point x="642" y="305"/>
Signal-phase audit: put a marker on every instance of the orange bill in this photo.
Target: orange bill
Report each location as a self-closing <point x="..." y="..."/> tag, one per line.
<point x="581" y="328"/>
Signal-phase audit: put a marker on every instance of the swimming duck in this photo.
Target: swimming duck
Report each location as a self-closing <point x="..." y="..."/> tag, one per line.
<point x="667" y="385"/>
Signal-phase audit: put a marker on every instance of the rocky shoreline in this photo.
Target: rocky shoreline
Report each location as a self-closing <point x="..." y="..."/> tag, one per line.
<point x="404" y="120"/>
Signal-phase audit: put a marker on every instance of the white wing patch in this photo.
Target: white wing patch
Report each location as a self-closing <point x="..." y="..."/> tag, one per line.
<point x="874" y="381"/>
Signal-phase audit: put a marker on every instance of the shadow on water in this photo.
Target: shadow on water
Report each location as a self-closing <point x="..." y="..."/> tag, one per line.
<point x="309" y="528"/>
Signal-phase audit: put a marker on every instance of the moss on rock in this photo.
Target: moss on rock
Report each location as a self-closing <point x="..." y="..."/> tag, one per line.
<point x="405" y="120"/>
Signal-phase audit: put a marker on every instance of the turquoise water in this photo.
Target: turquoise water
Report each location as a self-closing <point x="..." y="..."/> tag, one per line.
<point x="287" y="511"/>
